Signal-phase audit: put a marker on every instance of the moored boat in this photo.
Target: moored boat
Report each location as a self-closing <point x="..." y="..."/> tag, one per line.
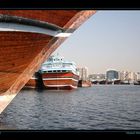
<point x="28" y="37"/>
<point x="31" y="83"/>
<point x="58" y="73"/>
<point x="35" y="81"/>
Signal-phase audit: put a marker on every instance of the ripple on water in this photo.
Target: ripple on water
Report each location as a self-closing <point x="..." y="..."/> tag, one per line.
<point x="95" y="108"/>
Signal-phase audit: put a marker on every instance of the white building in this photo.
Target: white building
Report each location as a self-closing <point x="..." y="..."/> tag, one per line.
<point x="128" y="76"/>
<point x="138" y="76"/>
<point x="97" y="77"/>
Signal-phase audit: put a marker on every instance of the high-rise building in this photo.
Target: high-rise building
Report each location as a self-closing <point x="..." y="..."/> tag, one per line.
<point x="128" y="76"/>
<point x="83" y="73"/>
<point x="112" y="75"/>
<point x="124" y="75"/>
<point x="138" y="76"/>
<point x="133" y="76"/>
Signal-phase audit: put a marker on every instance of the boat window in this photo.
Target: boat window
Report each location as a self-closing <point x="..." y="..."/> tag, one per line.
<point x="66" y="65"/>
<point x="49" y="66"/>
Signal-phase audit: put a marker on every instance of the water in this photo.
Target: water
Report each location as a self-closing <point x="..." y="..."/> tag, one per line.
<point x="100" y="107"/>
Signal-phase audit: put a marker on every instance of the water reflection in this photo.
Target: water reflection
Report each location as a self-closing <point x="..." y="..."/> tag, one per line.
<point x="95" y="108"/>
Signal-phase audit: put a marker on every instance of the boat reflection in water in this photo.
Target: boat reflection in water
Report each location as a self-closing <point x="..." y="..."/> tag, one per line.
<point x="56" y="73"/>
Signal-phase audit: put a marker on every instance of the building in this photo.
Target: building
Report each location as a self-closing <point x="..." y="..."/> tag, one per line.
<point x="129" y="76"/>
<point x="124" y="76"/>
<point x="97" y="77"/>
<point x="138" y="76"/>
<point x="83" y="73"/>
<point x="112" y="75"/>
<point x="133" y="76"/>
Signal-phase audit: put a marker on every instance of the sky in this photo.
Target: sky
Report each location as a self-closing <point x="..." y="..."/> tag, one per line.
<point x="107" y="40"/>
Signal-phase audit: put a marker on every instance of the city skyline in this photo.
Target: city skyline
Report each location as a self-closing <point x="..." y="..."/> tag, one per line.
<point x="107" y="40"/>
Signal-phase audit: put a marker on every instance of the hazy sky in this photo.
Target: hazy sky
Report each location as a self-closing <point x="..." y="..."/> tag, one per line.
<point x="108" y="39"/>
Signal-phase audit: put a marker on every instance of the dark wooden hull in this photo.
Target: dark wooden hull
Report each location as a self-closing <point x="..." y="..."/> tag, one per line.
<point x="22" y="53"/>
<point x="32" y="83"/>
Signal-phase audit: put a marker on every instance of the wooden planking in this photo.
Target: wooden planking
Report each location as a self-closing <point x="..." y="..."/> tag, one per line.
<point x="17" y="55"/>
<point x="60" y="82"/>
<point x="60" y="75"/>
<point x="53" y="44"/>
<point x="32" y="61"/>
<point x="58" y="17"/>
<point x="6" y="80"/>
<point x="31" y="83"/>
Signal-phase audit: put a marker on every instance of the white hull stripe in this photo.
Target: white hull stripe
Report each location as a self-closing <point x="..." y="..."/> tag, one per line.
<point x="21" y="24"/>
<point x="60" y="79"/>
<point x="33" y="29"/>
<point x="33" y="78"/>
<point x="61" y="86"/>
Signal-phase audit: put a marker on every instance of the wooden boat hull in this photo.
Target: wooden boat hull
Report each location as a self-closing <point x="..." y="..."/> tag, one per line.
<point x="60" y="80"/>
<point x="23" y="52"/>
<point x="32" y="83"/>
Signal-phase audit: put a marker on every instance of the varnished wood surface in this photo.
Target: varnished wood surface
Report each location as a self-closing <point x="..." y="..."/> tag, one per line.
<point x="58" y="17"/>
<point x="60" y="82"/>
<point x="57" y="79"/>
<point x="60" y="75"/>
<point x="23" y="53"/>
<point x="31" y="84"/>
<point x="17" y="52"/>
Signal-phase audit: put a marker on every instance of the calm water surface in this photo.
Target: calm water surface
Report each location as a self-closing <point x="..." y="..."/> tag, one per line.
<point x="99" y="107"/>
